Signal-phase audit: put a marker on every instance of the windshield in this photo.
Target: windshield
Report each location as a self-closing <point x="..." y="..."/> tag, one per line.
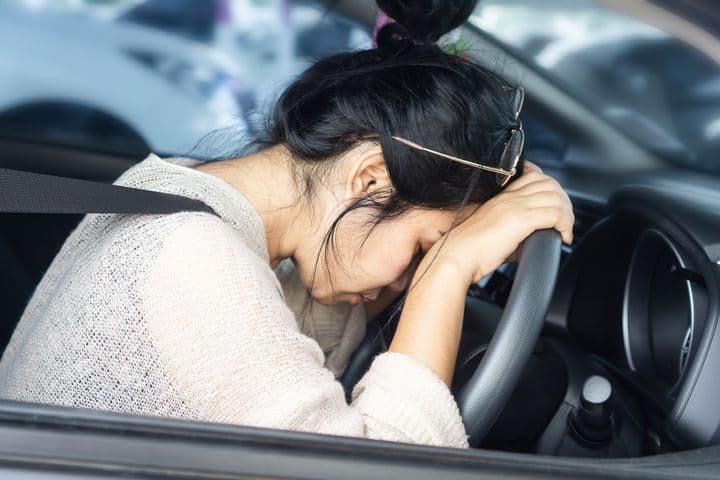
<point x="659" y="90"/>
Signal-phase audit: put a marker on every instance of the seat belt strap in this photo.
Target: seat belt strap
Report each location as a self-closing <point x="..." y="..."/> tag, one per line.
<point x="28" y="192"/>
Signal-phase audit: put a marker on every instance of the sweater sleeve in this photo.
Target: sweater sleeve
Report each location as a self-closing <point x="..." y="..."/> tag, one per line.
<point x="233" y="351"/>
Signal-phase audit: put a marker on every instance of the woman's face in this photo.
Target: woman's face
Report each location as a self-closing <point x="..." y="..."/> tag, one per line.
<point x="362" y="260"/>
<point x="360" y="264"/>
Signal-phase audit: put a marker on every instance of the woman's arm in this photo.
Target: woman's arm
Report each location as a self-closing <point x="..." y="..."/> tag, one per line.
<point x="431" y="321"/>
<point x="231" y="349"/>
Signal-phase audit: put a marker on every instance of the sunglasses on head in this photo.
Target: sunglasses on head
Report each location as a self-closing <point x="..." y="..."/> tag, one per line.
<point x="507" y="167"/>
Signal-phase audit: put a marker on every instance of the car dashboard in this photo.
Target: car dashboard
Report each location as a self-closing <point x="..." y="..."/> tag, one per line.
<point x="640" y="293"/>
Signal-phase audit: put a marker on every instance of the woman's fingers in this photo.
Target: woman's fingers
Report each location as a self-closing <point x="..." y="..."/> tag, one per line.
<point x="547" y="205"/>
<point x="553" y="217"/>
<point x="545" y="199"/>
<point x="545" y="185"/>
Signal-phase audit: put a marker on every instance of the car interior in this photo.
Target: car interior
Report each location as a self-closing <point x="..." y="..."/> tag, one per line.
<point x="629" y="354"/>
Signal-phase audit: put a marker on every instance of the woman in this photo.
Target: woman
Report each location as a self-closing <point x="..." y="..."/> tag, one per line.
<point x="382" y="169"/>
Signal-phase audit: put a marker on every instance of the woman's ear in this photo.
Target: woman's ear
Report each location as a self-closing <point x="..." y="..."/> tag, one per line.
<point x="367" y="172"/>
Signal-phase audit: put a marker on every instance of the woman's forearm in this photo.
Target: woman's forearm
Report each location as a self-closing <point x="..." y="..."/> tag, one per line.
<point x="431" y="320"/>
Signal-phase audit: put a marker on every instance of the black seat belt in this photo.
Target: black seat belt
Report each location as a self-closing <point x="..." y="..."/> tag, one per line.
<point x="28" y="192"/>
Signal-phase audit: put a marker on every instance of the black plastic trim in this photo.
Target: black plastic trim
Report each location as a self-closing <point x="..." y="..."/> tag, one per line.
<point x="48" y="438"/>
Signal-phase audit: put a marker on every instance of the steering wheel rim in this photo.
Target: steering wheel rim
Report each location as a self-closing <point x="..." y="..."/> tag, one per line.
<point x="483" y="397"/>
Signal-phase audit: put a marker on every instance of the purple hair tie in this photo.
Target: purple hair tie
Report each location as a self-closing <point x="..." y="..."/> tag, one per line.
<point x="381" y="20"/>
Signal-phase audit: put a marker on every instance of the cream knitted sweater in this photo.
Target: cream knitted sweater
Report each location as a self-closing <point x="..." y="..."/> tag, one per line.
<point x="182" y="316"/>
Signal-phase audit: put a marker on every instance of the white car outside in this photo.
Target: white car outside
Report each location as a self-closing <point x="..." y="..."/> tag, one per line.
<point x="169" y="90"/>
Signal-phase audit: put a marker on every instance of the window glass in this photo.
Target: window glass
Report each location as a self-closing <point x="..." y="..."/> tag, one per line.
<point x="158" y="75"/>
<point x="659" y="90"/>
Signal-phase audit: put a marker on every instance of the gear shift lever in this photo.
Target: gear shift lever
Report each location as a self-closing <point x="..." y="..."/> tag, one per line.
<point x="592" y="421"/>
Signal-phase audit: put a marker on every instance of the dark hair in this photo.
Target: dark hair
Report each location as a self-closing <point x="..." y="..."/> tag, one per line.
<point x="411" y="88"/>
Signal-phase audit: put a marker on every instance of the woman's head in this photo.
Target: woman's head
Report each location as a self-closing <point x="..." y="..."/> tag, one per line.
<point x="338" y="120"/>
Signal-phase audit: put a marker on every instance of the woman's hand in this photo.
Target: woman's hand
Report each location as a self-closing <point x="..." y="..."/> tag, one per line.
<point x="492" y="233"/>
<point x="431" y="320"/>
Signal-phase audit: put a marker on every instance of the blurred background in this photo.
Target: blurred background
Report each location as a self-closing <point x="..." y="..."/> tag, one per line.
<point x="133" y="75"/>
<point x="137" y="75"/>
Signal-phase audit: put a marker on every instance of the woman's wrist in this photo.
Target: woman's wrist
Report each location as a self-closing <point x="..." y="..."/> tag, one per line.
<point x="447" y="266"/>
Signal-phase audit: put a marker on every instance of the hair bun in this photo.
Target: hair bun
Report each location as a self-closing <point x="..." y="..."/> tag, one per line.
<point x="395" y="35"/>
<point x="421" y="21"/>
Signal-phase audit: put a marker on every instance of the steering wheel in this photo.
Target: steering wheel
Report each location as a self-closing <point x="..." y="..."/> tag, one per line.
<point x="483" y="397"/>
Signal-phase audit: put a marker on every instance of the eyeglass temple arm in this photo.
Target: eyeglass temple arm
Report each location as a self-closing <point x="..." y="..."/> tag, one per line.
<point x="454" y="159"/>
